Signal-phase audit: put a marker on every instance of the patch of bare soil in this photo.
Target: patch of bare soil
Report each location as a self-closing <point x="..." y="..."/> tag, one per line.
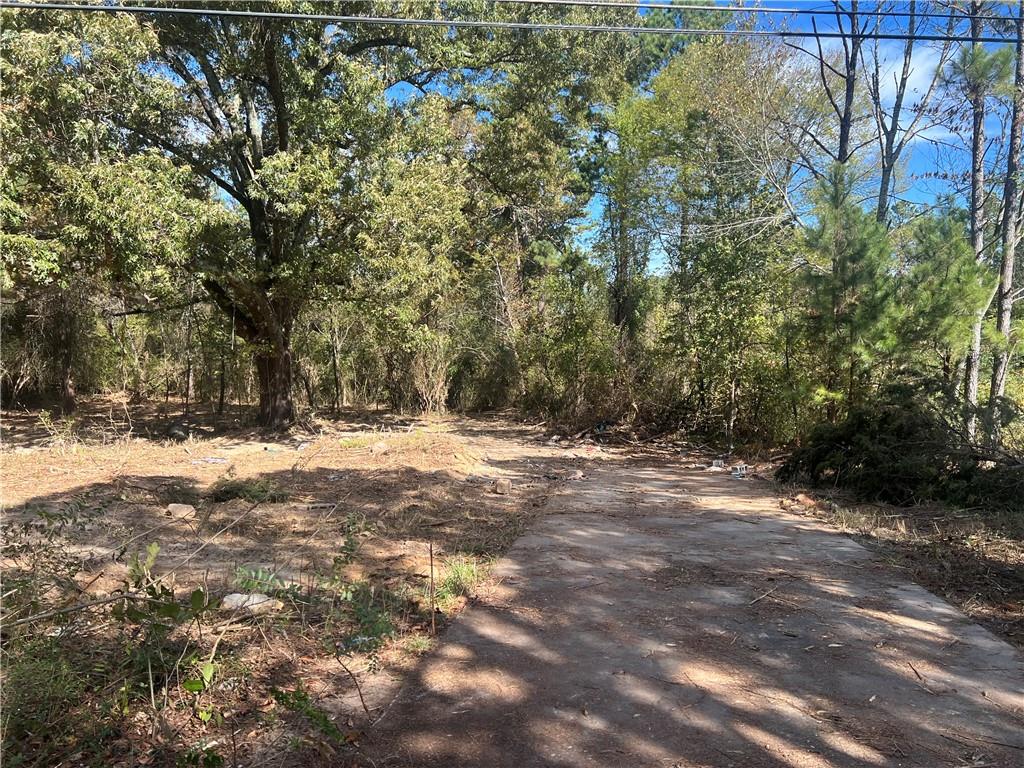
<point x="366" y="538"/>
<point x="973" y="558"/>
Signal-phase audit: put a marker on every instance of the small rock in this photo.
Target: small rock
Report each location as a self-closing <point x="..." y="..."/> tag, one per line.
<point x="503" y="486"/>
<point x="575" y="475"/>
<point x="179" y="510"/>
<point x="379" y="447"/>
<point x="254" y="602"/>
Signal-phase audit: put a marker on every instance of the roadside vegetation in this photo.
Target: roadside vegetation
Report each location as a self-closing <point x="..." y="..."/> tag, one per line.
<point x="230" y="234"/>
<point x="122" y="645"/>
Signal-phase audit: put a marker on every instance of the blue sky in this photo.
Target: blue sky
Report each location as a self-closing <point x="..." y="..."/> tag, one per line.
<point x="936" y="149"/>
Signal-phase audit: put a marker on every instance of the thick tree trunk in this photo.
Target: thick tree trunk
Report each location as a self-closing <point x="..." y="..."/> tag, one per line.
<point x="973" y="360"/>
<point x="1011" y="202"/>
<point x="274" y="374"/>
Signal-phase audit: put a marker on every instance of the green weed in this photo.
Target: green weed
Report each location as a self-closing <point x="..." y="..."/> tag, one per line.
<point x="250" y="489"/>
<point x="461" y="576"/>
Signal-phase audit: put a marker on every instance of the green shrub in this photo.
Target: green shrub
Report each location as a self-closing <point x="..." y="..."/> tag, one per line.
<point x="250" y="489"/>
<point x="900" y="449"/>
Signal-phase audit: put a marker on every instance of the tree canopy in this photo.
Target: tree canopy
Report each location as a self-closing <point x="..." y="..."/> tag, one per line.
<point x="598" y="227"/>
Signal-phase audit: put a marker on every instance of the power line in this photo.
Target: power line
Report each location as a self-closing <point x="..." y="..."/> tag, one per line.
<point x="487" y="24"/>
<point x="749" y="9"/>
<point x="753" y="10"/>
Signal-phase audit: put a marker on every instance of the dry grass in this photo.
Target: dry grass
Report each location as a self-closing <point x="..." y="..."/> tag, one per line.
<point x="335" y="524"/>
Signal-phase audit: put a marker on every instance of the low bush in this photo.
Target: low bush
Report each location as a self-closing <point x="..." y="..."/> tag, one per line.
<point x="901" y="450"/>
<point x="250" y="489"/>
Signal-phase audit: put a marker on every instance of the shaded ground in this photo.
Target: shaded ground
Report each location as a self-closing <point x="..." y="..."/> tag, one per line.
<point x="668" y="617"/>
<point x="974" y="558"/>
<point x="654" y="613"/>
<point x="347" y="551"/>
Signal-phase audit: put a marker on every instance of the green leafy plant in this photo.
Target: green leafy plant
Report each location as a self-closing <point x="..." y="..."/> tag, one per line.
<point x="250" y="489"/>
<point x="299" y="702"/>
<point x="203" y="681"/>
<point x="374" y="624"/>
<point x="201" y="757"/>
<point x="258" y="580"/>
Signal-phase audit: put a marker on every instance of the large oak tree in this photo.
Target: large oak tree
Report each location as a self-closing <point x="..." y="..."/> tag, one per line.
<point x="285" y="120"/>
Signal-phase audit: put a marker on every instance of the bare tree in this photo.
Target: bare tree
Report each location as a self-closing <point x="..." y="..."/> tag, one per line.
<point x="893" y="137"/>
<point x="1011" y="212"/>
<point x="977" y="90"/>
<point x="838" y="75"/>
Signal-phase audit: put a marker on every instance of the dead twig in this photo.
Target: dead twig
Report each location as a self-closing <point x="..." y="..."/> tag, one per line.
<point x="355" y="682"/>
<point x="960" y="738"/>
<point x="762" y="597"/>
<point x="77" y="607"/>
<point x="433" y="601"/>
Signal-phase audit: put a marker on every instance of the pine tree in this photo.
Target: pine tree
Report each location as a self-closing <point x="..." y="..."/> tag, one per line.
<point x="850" y="286"/>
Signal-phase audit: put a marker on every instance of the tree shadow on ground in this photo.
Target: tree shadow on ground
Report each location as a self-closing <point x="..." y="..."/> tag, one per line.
<point x="656" y="617"/>
<point x="667" y="618"/>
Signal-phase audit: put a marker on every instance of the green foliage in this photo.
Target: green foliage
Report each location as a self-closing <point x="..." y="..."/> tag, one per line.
<point x="255" y="490"/>
<point x="201" y="757"/>
<point x="850" y="293"/>
<point x="222" y="211"/>
<point x="901" y="450"/>
<point x="258" y="580"/>
<point x="939" y="286"/>
<point x="41" y="694"/>
<point x="462" y="574"/>
<point x="568" y="341"/>
<point x="299" y="702"/>
<point x="69" y="682"/>
<point x="370" y="611"/>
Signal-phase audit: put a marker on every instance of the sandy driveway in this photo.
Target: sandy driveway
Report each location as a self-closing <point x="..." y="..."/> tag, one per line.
<point x="660" y="616"/>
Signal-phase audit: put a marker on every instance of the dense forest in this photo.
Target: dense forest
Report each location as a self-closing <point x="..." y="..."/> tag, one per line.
<point x="721" y="235"/>
<point x="511" y="383"/>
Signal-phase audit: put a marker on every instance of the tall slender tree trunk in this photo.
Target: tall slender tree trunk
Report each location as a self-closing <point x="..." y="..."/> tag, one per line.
<point x="334" y="366"/>
<point x="222" y="385"/>
<point x="67" y="337"/>
<point x="1011" y="204"/>
<point x="973" y="360"/>
<point x="890" y="149"/>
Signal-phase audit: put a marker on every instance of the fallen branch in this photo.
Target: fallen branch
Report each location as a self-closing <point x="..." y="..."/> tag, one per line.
<point x="355" y="682"/>
<point x="78" y="607"/>
<point x="762" y="597"/>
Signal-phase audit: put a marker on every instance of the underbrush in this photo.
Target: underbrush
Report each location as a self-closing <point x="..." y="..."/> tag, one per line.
<point x="154" y="674"/>
<point x="249" y="489"/>
<point x="901" y="450"/>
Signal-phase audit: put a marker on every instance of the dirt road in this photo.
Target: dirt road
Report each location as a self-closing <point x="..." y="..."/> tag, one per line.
<point x="660" y="616"/>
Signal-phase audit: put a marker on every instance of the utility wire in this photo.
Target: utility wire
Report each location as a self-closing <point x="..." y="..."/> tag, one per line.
<point x="487" y="24"/>
<point x="749" y="9"/>
<point x="753" y="10"/>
